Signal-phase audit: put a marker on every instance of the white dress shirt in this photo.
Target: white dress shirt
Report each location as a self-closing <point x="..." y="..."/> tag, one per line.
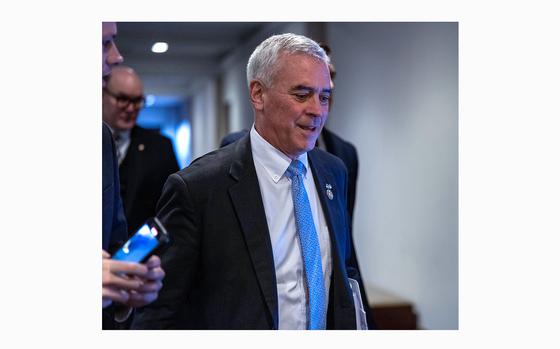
<point x="270" y="164"/>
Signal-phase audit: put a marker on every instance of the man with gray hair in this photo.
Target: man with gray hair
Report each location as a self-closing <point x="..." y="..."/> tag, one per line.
<point x="260" y="227"/>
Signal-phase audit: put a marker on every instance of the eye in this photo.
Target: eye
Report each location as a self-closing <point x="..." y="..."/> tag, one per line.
<point x="301" y="96"/>
<point x="324" y="98"/>
<point x="107" y="44"/>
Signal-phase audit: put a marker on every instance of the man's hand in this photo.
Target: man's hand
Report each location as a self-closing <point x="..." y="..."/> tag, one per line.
<point x="131" y="284"/>
<point x="151" y="284"/>
<point x="119" y="279"/>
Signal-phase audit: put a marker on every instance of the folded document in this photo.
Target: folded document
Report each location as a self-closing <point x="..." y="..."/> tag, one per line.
<point x="361" y="323"/>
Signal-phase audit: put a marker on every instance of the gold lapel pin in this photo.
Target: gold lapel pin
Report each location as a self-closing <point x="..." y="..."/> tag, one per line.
<point x="141" y="147"/>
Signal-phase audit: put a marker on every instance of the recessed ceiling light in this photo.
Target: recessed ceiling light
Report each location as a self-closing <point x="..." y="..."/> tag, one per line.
<point x="159" y="47"/>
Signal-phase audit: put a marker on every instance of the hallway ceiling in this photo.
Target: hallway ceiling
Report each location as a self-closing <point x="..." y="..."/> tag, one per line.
<point x="195" y="51"/>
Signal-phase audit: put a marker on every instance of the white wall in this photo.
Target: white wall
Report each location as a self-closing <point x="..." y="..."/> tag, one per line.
<point x="237" y="96"/>
<point x="204" y="119"/>
<point x="396" y="100"/>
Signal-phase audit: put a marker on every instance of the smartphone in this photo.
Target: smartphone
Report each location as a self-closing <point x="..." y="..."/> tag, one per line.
<point x="150" y="239"/>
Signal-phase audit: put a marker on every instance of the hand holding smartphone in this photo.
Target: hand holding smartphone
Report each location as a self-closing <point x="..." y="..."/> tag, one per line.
<point x="150" y="239"/>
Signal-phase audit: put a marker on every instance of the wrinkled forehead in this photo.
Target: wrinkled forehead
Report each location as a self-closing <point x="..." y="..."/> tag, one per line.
<point x="301" y="68"/>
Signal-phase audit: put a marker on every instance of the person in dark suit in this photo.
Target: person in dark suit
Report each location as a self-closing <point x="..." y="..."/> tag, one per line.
<point x="146" y="158"/>
<point x="346" y="151"/>
<point x="250" y="250"/>
<point x="124" y="285"/>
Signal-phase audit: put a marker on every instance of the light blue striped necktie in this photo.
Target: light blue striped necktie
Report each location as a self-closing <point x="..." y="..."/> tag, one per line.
<point x="309" y="247"/>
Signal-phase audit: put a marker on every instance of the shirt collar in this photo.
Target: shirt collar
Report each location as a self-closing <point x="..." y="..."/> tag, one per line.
<point x="273" y="160"/>
<point x="122" y="135"/>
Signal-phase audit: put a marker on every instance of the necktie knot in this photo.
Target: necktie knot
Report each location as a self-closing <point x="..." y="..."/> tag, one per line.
<point x="296" y="168"/>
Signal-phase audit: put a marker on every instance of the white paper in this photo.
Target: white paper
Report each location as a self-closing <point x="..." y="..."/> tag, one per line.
<point x="361" y="323"/>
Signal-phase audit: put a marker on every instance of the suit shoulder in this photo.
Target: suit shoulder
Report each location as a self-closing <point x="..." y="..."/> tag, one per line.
<point x="209" y="167"/>
<point x="106" y="130"/>
<point x="158" y="145"/>
<point x="107" y="142"/>
<point x="232" y="137"/>
<point x="150" y="135"/>
<point x="329" y="160"/>
<point x="339" y="141"/>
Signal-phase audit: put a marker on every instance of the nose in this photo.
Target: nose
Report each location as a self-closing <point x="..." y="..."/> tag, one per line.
<point x="130" y="108"/>
<point x="314" y="106"/>
<point x="114" y="57"/>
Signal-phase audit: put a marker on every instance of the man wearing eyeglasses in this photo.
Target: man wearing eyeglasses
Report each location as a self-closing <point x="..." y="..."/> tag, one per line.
<point x="145" y="157"/>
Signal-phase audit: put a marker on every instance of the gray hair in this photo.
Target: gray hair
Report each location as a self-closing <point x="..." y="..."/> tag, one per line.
<point x="262" y="63"/>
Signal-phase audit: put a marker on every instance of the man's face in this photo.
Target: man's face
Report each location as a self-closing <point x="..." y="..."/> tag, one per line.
<point x="122" y="100"/>
<point x="295" y="108"/>
<point x="111" y="55"/>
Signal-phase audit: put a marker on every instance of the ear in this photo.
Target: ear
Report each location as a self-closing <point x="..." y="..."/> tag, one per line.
<point x="256" y="94"/>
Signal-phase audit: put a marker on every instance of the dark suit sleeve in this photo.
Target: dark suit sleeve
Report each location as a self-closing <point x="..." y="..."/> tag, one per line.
<point x="119" y="227"/>
<point x="352" y="180"/>
<point x="351" y="268"/>
<point x="350" y="189"/>
<point x="113" y="218"/>
<point x="352" y="262"/>
<point x="176" y="212"/>
<point x="171" y="163"/>
<point x="114" y="221"/>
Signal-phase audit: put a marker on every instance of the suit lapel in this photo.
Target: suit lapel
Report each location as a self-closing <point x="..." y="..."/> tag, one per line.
<point x="336" y="221"/>
<point x="247" y="202"/>
<point x="324" y="182"/>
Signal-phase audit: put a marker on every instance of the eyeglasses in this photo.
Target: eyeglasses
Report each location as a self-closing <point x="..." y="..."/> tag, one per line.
<point x="123" y="101"/>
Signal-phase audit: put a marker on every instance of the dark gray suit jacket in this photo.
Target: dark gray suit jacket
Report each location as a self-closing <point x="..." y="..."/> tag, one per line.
<point x="220" y="270"/>
<point x="349" y="156"/>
